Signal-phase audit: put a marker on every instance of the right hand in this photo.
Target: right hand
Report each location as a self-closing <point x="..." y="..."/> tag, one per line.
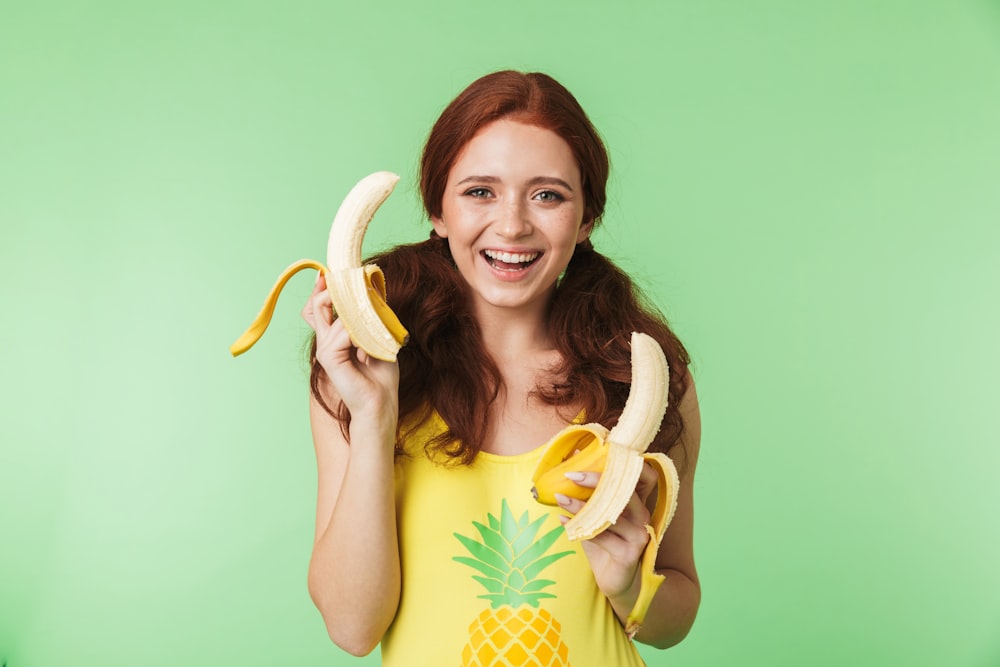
<point x="368" y="386"/>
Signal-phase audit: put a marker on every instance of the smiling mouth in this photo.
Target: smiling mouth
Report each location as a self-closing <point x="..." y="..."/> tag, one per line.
<point x="510" y="261"/>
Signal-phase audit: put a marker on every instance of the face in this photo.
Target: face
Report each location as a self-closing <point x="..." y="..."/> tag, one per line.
<point x="513" y="213"/>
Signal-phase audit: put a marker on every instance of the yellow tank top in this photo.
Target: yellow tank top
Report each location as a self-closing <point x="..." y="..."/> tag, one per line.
<point x="488" y="576"/>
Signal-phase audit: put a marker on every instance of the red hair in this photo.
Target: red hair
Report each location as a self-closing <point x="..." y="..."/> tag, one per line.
<point x="533" y="99"/>
<point x="444" y="367"/>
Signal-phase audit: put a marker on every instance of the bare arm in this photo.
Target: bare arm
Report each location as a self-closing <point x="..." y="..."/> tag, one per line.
<point x="354" y="575"/>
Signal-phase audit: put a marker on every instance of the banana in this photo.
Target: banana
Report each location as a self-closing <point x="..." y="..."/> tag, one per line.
<point x="577" y="448"/>
<point x="619" y="454"/>
<point x="357" y="292"/>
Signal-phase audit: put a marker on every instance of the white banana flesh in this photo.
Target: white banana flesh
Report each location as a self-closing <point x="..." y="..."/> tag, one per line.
<point x="357" y="292"/>
<point x="628" y="440"/>
<point x="350" y="284"/>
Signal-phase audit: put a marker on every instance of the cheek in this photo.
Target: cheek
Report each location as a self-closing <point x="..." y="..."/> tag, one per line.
<point x="575" y="230"/>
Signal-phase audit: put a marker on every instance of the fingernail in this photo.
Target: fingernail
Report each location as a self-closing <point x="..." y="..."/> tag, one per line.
<point x="576" y="476"/>
<point x="563" y="519"/>
<point x="561" y="499"/>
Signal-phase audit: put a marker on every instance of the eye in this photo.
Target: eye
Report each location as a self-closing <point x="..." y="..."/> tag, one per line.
<point x="549" y="196"/>
<point x="478" y="193"/>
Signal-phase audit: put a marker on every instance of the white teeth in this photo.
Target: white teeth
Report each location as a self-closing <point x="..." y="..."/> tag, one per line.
<point x="511" y="258"/>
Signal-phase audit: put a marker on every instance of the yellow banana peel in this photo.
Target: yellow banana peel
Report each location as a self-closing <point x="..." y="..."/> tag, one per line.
<point x="357" y="292"/>
<point x="577" y="448"/>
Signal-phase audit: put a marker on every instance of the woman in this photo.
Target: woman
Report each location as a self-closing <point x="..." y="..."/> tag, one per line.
<point x="427" y="538"/>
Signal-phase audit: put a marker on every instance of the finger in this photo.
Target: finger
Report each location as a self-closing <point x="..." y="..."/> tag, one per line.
<point x="330" y="334"/>
<point x="309" y="310"/>
<point x="585" y="479"/>
<point x="644" y="487"/>
<point x="629" y="526"/>
<point x="571" y="505"/>
<point x="627" y="536"/>
<point x="624" y="542"/>
<point x="636" y="513"/>
<point x="376" y="366"/>
<point x="624" y="554"/>
<point x="589" y="480"/>
<point x="386" y="372"/>
<point x="648" y="479"/>
<point x="322" y="311"/>
<point x="336" y="337"/>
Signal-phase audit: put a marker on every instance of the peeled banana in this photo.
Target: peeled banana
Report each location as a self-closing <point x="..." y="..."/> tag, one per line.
<point x="357" y="292"/>
<point x="619" y="454"/>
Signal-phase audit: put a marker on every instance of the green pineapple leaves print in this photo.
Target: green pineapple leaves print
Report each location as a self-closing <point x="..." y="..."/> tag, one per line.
<point x="510" y="556"/>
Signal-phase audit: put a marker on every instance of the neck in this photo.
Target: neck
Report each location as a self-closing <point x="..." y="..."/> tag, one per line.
<point x="511" y="335"/>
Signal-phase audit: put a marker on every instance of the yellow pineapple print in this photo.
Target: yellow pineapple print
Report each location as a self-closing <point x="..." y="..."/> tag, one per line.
<point x="514" y="631"/>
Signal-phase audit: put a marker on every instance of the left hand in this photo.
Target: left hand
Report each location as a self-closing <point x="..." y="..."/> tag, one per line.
<point x="614" y="554"/>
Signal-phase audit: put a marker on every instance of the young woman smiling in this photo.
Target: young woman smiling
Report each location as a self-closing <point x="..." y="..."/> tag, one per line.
<point x="427" y="538"/>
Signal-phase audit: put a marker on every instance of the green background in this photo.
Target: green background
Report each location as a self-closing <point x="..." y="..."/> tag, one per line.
<point x="810" y="190"/>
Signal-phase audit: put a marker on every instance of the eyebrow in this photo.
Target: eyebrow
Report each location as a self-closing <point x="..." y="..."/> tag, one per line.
<point x="537" y="180"/>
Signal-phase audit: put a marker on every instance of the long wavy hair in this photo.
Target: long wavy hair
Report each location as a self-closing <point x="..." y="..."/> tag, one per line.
<point x="444" y="367"/>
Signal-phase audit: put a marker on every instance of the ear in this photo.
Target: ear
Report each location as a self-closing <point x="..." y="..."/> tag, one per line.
<point x="439" y="226"/>
<point x="585" y="230"/>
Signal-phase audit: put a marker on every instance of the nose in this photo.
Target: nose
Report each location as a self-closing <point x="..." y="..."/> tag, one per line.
<point x="514" y="220"/>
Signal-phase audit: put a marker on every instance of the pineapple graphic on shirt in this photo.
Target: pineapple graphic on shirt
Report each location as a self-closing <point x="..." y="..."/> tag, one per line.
<point x="515" y="630"/>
